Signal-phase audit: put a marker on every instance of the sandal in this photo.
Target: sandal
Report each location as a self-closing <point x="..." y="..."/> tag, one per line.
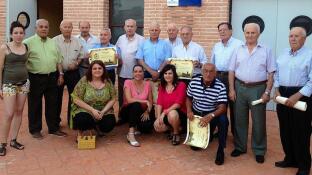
<point x="16" y="145"/>
<point x="3" y="149"/>
<point x="134" y="142"/>
<point x="175" y="139"/>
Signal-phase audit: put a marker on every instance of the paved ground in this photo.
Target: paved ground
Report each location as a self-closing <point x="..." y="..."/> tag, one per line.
<point x="113" y="156"/>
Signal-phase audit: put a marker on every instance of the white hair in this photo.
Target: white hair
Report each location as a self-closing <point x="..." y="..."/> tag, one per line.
<point x="303" y="31"/>
<point x="41" y="20"/>
<point x="252" y="24"/>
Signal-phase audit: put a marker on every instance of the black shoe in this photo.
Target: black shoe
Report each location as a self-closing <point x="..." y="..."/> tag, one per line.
<point x="303" y="172"/>
<point x="236" y="153"/>
<point x="260" y="158"/>
<point x="194" y="148"/>
<point x="284" y="164"/>
<point x="37" y="135"/>
<point x="58" y="133"/>
<point x="219" y="158"/>
<point x="3" y="149"/>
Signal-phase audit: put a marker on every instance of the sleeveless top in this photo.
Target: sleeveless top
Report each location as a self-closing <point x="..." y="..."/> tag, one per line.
<point x="14" y="69"/>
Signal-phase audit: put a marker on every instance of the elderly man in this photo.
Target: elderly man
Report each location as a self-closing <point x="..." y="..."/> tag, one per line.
<point x="190" y="50"/>
<point x="173" y="38"/>
<point x="105" y="36"/>
<point x="44" y="63"/>
<point x="153" y="53"/>
<point x="251" y="78"/>
<point x="293" y="79"/>
<point x="221" y="55"/>
<point x="72" y="52"/>
<point x="212" y="110"/>
<point x="88" y="41"/>
<point x="128" y="43"/>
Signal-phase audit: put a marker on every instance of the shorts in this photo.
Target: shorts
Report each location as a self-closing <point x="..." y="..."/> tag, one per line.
<point x="11" y="89"/>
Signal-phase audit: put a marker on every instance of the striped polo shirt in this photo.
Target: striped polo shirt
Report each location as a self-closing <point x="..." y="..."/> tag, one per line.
<point x="206" y="98"/>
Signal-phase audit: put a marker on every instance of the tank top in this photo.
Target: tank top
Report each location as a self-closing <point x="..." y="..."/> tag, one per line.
<point x="14" y="70"/>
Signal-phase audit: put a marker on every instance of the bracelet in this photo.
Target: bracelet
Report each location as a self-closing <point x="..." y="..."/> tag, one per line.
<point x="61" y="73"/>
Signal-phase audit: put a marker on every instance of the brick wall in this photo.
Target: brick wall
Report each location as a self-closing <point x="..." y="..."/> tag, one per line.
<point x="94" y="11"/>
<point x="204" y="19"/>
<point x="2" y="21"/>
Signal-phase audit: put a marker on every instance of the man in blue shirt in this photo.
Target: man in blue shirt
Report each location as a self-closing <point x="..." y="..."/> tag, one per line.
<point x="293" y="80"/>
<point x="153" y="53"/>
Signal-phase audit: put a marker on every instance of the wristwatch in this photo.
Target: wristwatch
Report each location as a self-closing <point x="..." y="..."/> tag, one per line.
<point x="267" y="93"/>
<point x="158" y="71"/>
<point x="213" y="115"/>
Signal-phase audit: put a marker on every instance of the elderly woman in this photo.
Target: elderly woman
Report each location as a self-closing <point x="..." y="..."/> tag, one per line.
<point x="14" y="86"/>
<point x="93" y="100"/>
<point x="171" y="108"/>
<point x="137" y="107"/>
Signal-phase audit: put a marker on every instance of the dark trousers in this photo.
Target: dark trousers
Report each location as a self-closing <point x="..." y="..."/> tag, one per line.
<point x="222" y="123"/>
<point x="223" y="77"/>
<point x="121" y="83"/>
<point x="84" y="121"/>
<point x="295" y="130"/>
<point x="112" y="75"/>
<point x="71" y="78"/>
<point x="132" y="113"/>
<point x="42" y="85"/>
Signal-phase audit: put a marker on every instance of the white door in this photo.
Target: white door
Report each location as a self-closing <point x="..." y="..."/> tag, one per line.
<point x="276" y="15"/>
<point x="14" y="7"/>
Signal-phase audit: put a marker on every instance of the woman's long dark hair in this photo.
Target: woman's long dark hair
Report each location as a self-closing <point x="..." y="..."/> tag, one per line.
<point x="89" y="72"/>
<point x="163" y="82"/>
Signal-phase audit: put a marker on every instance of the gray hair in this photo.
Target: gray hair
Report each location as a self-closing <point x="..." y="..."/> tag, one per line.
<point x="41" y="20"/>
<point x="129" y="20"/>
<point x="252" y="24"/>
<point x="303" y="31"/>
<point x="106" y="29"/>
<point x="186" y="27"/>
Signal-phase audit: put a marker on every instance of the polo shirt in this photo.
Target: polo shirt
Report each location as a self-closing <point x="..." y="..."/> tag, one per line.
<point x="206" y="99"/>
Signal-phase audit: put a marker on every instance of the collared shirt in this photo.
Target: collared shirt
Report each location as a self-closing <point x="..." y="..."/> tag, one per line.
<point x="154" y="53"/>
<point x="254" y="66"/>
<point x="71" y="51"/>
<point x="175" y="43"/>
<point x="221" y="53"/>
<point x="193" y="52"/>
<point x="295" y="69"/>
<point x="99" y="45"/>
<point x="43" y="55"/>
<point x="129" y="48"/>
<point x="206" y="99"/>
<point x="87" y="44"/>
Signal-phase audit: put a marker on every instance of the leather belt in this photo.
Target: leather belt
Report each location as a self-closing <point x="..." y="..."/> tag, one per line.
<point x="251" y="83"/>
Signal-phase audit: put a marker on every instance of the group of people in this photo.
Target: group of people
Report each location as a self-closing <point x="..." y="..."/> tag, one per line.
<point x="237" y="74"/>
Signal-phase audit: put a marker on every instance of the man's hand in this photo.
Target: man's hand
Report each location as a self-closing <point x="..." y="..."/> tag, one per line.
<point x="196" y="64"/>
<point x="292" y="100"/>
<point x="190" y="115"/>
<point x="232" y="95"/>
<point x="265" y="98"/>
<point x="155" y="75"/>
<point x="60" y="80"/>
<point x="276" y="93"/>
<point x="205" y="120"/>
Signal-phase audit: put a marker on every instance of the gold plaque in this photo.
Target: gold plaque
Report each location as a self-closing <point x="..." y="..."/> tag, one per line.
<point x="184" y="67"/>
<point x="107" y="55"/>
<point x="196" y="135"/>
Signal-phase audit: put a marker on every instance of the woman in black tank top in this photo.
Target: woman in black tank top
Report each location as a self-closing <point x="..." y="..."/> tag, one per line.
<point x="14" y="86"/>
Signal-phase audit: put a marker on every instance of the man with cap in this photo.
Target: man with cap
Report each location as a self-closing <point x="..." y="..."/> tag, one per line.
<point x="251" y="72"/>
<point x="293" y="80"/>
<point x="221" y="55"/>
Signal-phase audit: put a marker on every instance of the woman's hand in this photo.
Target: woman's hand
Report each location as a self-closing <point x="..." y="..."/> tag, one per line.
<point x="159" y="124"/>
<point x="96" y="114"/>
<point x="145" y="116"/>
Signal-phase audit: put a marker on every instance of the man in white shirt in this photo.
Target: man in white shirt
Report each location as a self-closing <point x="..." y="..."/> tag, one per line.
<point x="88" y="41"/>
<point x="128" y="43"/>
<point x="221" y="55"/>
<point x="190" y="50"/>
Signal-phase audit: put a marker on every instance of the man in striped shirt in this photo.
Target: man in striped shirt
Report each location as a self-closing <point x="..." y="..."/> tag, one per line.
<point x="206" y="97"/>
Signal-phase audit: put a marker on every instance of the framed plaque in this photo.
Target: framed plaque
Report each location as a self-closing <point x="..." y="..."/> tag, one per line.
<point x="107" y="55"/>
<point x="184" y="67"/>
<point x="196" y="135"/>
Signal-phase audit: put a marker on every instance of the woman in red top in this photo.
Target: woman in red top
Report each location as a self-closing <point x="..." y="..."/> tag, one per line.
<point x="171" y="109"/>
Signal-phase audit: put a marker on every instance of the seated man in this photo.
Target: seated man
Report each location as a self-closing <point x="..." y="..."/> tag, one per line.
<point x="206" y="97"/>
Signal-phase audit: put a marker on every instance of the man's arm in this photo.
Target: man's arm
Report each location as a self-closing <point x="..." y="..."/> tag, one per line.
<point x="232" y="93"/>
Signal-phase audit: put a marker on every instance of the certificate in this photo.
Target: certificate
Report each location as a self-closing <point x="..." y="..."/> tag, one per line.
<point x="196" y="135"/>
<point x="107" y="55"/>
<point x="184" y="67"/>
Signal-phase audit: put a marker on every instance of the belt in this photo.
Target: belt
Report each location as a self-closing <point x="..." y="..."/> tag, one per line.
<point x="290" y="87"/>
<point x="223" y="73"/>
<point x="43" y="75"/>
<point x="251" y="83"/>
